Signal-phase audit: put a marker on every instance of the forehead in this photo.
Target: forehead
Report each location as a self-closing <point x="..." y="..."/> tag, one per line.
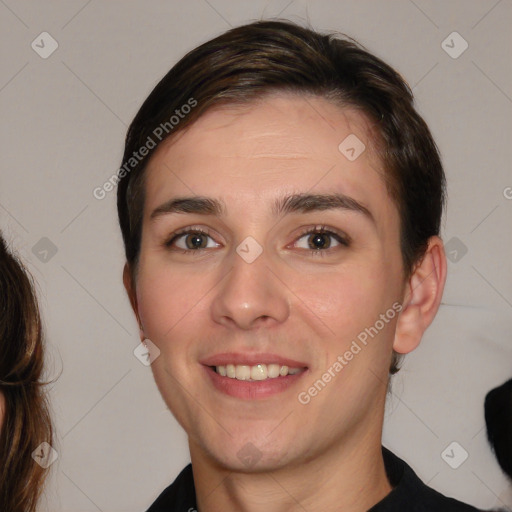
<point x="281" y="143"/>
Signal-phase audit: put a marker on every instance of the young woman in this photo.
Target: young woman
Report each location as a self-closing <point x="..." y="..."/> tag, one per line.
<point x="280" y="202"/>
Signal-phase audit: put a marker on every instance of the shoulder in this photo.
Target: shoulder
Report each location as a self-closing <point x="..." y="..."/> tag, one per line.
<point x="411" y="494"/>
<point x="179" y="496"/>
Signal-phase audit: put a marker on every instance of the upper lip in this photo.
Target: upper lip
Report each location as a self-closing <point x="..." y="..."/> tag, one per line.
<point x="250" y="359"/>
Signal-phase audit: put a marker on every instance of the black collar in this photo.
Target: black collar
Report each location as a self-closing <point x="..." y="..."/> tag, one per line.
<point x="409" y="493"/>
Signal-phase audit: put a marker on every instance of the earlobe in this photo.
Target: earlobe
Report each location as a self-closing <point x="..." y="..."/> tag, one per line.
<point x="422" y="297"/>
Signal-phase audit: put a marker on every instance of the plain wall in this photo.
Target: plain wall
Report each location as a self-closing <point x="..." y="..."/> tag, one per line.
<point x="64" y="119"/>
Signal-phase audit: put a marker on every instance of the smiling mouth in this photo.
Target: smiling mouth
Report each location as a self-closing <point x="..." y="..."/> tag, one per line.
<point x="257" y="372"/>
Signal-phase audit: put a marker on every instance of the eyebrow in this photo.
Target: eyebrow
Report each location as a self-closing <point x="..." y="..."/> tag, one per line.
<point x="295" y="203"/>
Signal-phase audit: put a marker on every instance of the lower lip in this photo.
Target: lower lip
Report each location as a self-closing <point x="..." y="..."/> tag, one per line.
<point x="252" y="390"/>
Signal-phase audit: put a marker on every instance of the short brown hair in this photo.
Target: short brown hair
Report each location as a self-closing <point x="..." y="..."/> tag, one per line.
<point x="250" y="61"/>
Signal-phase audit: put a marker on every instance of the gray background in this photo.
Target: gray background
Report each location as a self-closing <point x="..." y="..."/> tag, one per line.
<point x="64" y="121"/>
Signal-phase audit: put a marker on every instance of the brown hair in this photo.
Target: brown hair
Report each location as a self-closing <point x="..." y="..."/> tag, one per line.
<point x="26" y="423"/>
<point x="250" y="61"/>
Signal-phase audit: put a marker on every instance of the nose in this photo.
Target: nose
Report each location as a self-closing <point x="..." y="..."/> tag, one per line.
<point x="251" y="295"/>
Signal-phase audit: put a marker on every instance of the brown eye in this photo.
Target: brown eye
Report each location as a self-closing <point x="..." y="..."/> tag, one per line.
<point x="196" y="241"/>
<point x="191" y="240"/>
<point x="319" y="240"/>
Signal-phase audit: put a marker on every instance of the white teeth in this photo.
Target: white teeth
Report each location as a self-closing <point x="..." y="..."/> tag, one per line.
<point x="256" y="372"/>
<point x="242" y="372"/>
<point x="259" y="372"/>
<point x="230" y="371"/>
<point x="273" y="370"/>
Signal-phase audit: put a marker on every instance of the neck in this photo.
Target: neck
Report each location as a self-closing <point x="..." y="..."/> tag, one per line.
<point x="348" y="476"/>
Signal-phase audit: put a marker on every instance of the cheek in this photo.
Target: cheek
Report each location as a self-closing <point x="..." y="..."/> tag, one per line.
<point x="350" y="303"/>
<point x="346" y="298"/>
<point x="162" y="301"/>
<point x="170" y="301"/>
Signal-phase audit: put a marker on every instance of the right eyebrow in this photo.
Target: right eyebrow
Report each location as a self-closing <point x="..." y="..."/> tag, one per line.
<point x="199" y="205"/>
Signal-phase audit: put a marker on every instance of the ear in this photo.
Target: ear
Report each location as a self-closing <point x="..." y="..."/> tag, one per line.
<point x="423" y="293"/>
<point x="129" y="286"/>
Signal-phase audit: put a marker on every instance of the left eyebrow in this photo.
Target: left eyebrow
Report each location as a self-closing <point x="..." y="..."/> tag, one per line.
<point x="303" y="203"/>
<point x="295" y="203"/>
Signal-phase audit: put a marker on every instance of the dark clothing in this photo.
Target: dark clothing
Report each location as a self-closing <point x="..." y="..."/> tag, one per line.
<point x="409" y="493"/>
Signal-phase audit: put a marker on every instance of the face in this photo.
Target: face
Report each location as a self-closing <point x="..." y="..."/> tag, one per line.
<point x="266" y="282"/>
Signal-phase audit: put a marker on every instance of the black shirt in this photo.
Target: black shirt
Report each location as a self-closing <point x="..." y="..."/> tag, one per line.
<point x="409" y="493"/>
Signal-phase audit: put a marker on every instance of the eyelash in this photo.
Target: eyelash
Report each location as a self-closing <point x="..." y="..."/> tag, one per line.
<point x="342" y="239"/>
